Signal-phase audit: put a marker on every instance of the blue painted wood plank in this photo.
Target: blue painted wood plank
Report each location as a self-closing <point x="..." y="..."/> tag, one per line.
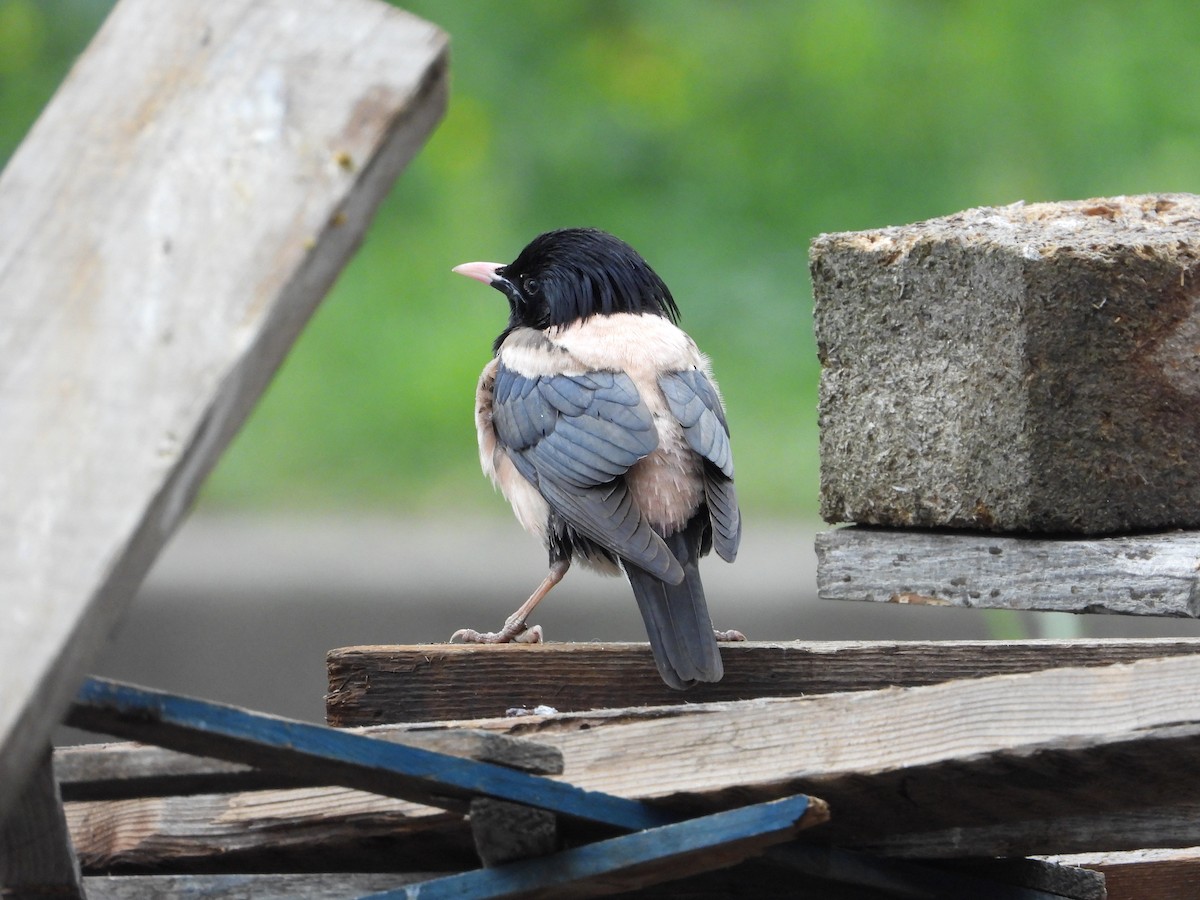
<point x="330" y="756"/>
<point x="658" y="854"/>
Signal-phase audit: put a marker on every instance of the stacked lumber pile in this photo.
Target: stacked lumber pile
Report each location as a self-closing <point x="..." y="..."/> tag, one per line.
<point x="953" y="762"/>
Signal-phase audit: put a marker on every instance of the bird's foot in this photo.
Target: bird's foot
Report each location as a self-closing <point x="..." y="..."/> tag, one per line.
<point x="515" y="631"/>
<point x="730" y="635"/>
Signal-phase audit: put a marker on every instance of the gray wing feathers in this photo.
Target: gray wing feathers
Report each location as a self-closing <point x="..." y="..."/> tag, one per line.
<point x="694" y="402"/>
<point x="573" y="436"/>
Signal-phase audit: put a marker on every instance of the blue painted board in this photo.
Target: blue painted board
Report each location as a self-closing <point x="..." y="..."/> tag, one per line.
<point x="330" y="756"/>
<point x="665" y="853"/>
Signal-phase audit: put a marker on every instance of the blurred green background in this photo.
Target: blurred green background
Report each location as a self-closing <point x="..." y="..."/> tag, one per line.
<point x="718" y="138"/>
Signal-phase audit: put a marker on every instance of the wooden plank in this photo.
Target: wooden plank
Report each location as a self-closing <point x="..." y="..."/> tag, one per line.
<point x="1142" y="574"/>
<point x="36" y="856"/>
<point x="980" y="880"/>
<point x="317" y="752"/>
<point x="166" y="229"/>
<point x="275" y="886"/>
<point x="632" y="861"/>
<point x="118" y="771"/>
<point x="1103" y="744"/>
<point x="424" y="682"/>
<point x="286" y="830"/>
<point x="1140" y="874"/>
<point x="1159" y="826"/>
<point x="962" y="753"/>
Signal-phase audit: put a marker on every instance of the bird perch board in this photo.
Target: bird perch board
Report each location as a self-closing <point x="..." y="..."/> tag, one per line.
<point x="166" y="229"/>
<point x="429" y="682"/>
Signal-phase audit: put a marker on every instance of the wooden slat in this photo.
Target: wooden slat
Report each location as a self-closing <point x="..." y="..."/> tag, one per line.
<point x="632" y="861"/>
<point x="1153" y="825"/>
<point x="1141" y="874"/>
<point x="979" y="880"/>
<point x="36" y="856"/>
<point x="372" y="685"/>
<point x="125" y="770"/>
<point x="316" y="752"/>
<point x="166" y="229"/>
<point x="275" y="886"/>
<point x="1091" y="743"/>
<point x="284" y="830"/>
<point x="1142" y="575"/>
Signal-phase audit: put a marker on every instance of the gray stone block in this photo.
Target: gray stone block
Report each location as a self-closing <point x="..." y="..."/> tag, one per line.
<point x="1033" y="367"/>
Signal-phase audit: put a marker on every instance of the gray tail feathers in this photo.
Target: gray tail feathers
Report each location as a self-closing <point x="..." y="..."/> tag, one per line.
<point x="677" y="620"/>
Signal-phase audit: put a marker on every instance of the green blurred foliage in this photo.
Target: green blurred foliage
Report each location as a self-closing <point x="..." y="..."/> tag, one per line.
<point x="716" y="137"/>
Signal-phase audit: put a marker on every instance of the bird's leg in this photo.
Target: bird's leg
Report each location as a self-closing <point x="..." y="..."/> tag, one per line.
<point x="731" y="635"/>
<point x="514" y="626"/>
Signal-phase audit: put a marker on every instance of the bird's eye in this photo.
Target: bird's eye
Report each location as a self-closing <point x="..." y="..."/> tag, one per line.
<point x="531" y="285"/>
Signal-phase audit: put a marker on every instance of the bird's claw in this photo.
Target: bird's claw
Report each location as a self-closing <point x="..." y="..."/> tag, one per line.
<point x="731" y="635"/>
<point x="513" y="632"/>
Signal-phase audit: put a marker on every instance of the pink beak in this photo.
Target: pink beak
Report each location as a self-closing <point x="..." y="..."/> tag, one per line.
<point x="480" y="271"/>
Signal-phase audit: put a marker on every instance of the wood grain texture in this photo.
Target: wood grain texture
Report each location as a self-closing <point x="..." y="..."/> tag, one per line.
<point x="1091" y="743"/>
<point x="1139" y="575"/>
<point x="275" y="886"/>
<point x="1169" y="825"/>
<point x="1015" y="879"/>
<point x="432" y="682"/>
<point x="36" y="856"/>
<point x="1141" y="874"/>
<point x="282" y="830"/>
<point x="125" y="770"/>
<point x="962" y="753"/>
<point x="336" y="756"/>
<point x="166" y="229"/>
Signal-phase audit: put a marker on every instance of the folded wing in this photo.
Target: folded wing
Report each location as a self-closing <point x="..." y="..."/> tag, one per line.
<point x="573" y="437"/>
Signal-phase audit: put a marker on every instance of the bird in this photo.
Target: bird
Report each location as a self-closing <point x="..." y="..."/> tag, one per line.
<point x="601" y="423"/>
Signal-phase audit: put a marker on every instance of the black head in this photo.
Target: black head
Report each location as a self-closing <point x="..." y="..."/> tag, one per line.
<point x="572" y="274"/>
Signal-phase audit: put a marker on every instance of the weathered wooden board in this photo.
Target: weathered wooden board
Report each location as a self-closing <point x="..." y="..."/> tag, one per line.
<point x="432" y="682"/>
<point x="1144" y="575"/>
<point x="1014" y="879"/>
<point x="36" y="857"/>
<point x="750" y="879"/>
<point x="166" y="229"/>
<point x="126" y="770"/>
<point x="349" y="759"/>
<point x="267" y="830"/>
<point x="1142" y="874"/>
<point x="1169" y="825"/>
<point x="1101" y="743"/>
<point x="275" y="886"/>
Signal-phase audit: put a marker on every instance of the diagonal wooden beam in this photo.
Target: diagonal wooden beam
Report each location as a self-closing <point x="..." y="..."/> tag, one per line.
<point x="631" y="861"/>
<point x="125" y="771"/>
<point x="166" y="230"/>
<point x="319" y="753"/>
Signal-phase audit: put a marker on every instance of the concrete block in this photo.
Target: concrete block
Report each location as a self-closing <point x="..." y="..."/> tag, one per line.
<point x="1027" y="368"/>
